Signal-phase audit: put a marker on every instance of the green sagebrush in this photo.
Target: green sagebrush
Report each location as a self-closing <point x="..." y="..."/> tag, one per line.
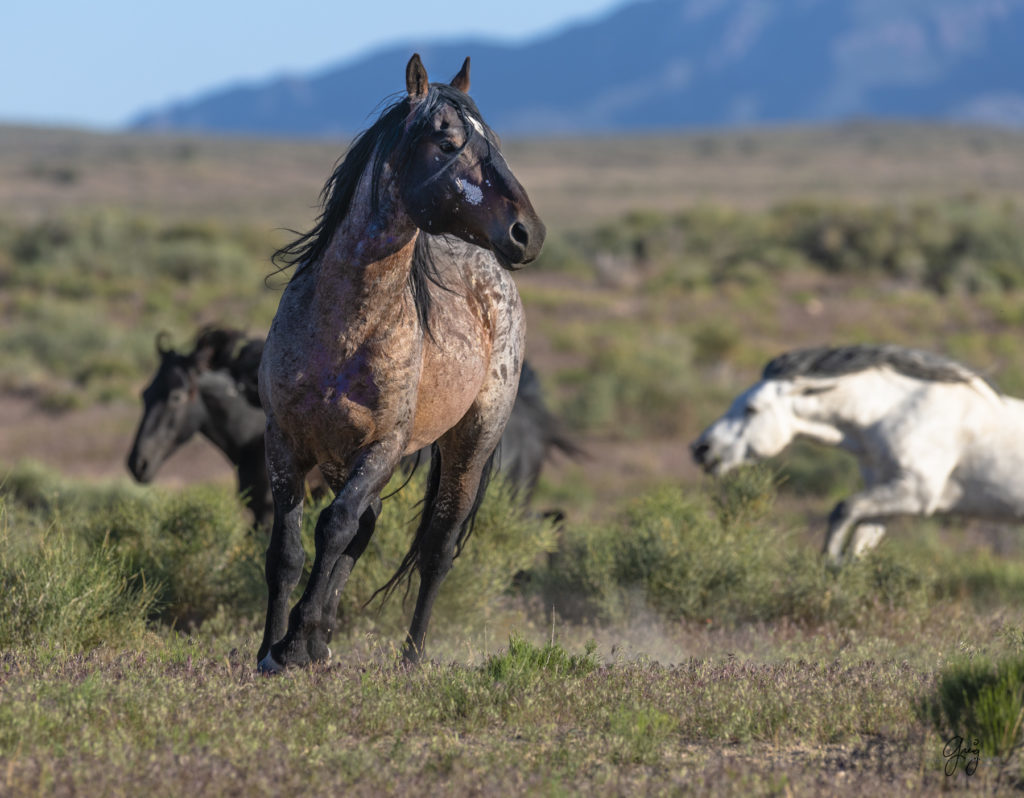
<point x="185" y="557"/>
<point x="719" y="557"/>
<point x="62" y="594"/>
<point x="980" y="698"/>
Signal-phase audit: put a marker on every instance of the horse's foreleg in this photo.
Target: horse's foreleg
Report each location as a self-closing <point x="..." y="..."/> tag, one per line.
<point x="435" y="562"/>
<point x="284" y="554"/>
<point x="865" y="538"/>
<point x="879" y="501"/>
<point x="839" y="525"/>
<point x="340" y="530"/>
<point x="450" y="512"/>
<point x="343" y="568"/>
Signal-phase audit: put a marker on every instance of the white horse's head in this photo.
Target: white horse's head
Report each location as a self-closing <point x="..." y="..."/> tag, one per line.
<point x="760" y="423"/>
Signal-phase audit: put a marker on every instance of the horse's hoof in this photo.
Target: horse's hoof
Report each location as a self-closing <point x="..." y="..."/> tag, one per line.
<point x="318" y="650"/>
<point x="411" y="657"/>
<point x="269" y="666"/>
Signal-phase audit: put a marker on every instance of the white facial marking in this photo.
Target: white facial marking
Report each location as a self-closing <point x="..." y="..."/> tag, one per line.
<point x="472" y="192"/>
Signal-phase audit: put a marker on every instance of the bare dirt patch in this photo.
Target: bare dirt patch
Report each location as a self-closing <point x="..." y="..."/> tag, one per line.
<point x="92" y="443"/>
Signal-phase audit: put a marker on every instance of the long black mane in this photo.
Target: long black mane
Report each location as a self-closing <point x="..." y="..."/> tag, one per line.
<point x="824" y="361"/>
<point x="390" y="138"/>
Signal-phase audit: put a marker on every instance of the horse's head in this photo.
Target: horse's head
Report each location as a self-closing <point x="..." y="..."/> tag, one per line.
<point x="453" y="176"/>
<point x="760" y="423"/>
<point x="172" y="412"/>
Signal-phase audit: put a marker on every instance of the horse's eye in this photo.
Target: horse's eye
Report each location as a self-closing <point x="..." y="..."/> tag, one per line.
<point x="176" y="397"/>
<point x="447" y="146"/>
<point x="749" y="410"/>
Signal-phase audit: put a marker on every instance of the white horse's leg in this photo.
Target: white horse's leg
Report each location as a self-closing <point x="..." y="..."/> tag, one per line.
<point x="880" y="501"/>
<point x="865" y="538"/>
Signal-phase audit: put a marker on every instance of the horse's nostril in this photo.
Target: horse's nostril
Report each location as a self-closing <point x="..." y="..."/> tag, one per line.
<point x="699" y="450"/>
<point x="520" y="234"/>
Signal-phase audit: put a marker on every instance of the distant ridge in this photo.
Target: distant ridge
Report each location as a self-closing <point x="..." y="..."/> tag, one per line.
<point x="665" y="64"/>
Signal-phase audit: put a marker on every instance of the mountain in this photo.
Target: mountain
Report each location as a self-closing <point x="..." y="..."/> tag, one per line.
<point x="664" y="64"/>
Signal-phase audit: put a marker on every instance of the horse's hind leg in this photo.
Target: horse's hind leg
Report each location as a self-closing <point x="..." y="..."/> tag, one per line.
<point x="342" y="530"/>
<point x="284" y="554"/>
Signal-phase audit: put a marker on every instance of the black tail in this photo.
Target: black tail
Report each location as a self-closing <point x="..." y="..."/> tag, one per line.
<point x="412" y="558"/>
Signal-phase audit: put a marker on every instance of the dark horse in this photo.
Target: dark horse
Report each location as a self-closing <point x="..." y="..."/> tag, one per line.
<point x="213" y="391"/>
<point x="374" y="354"/>
<point x="205" y="391"/>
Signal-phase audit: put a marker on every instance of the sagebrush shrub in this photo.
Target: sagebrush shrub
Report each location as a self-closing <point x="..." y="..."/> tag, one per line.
<point x="60" y="593"/>
<point x="718" y="556"/>
<point x="982" y="698"/>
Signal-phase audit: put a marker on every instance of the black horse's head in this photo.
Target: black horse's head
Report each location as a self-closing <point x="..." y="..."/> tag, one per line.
<point x="172" y="412"/>
<point x="453" y="178"/>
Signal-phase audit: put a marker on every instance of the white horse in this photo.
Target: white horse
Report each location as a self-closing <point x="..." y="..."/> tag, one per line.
<point x="930" y="435"/>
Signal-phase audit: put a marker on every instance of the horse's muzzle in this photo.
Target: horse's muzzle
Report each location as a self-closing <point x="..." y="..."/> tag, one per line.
<point x="699" y="451"/>
<point x="138" y="467"/>
<point x="520" y="244"/>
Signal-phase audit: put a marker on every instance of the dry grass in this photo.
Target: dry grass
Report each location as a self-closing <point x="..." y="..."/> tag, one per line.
<point x="574" y="183"/>
<point x="691" y="707"/>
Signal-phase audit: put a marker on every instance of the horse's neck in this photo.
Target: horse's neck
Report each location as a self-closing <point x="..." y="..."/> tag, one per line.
<point x="368" y="261"/>
<point x="231" y="423"/>
<point x="855" y="403"/>
<point x="825" y="417"/>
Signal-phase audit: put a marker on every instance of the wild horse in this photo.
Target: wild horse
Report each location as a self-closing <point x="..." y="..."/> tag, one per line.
<point x="375" y="353"/>
<point x="204" y="391"/>
<point x="930" y="435"/>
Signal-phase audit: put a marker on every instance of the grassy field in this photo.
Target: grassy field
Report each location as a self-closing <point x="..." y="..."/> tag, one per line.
<point x="674" y="636"/>
<point x="573" y="184"/>
<point x="706" y="653"/>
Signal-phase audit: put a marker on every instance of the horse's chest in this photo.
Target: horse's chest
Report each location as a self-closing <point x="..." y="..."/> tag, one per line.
<point x="453" y="370"/>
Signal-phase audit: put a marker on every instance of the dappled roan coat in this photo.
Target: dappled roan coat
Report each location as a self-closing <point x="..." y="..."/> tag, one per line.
<point x="374" y="353"/>
<point x="929" y="434"/>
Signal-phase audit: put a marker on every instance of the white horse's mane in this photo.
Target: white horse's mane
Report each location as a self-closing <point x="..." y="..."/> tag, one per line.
<point x="825" y="361"/>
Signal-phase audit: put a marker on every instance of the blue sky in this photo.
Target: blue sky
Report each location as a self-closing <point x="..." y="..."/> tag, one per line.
<point x="96" y="64"/>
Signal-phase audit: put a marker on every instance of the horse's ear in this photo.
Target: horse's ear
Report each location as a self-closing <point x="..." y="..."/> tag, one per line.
<point x="161" y="343"/>
<point x="416" y="79"/>
<point x="461" y="81"/>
